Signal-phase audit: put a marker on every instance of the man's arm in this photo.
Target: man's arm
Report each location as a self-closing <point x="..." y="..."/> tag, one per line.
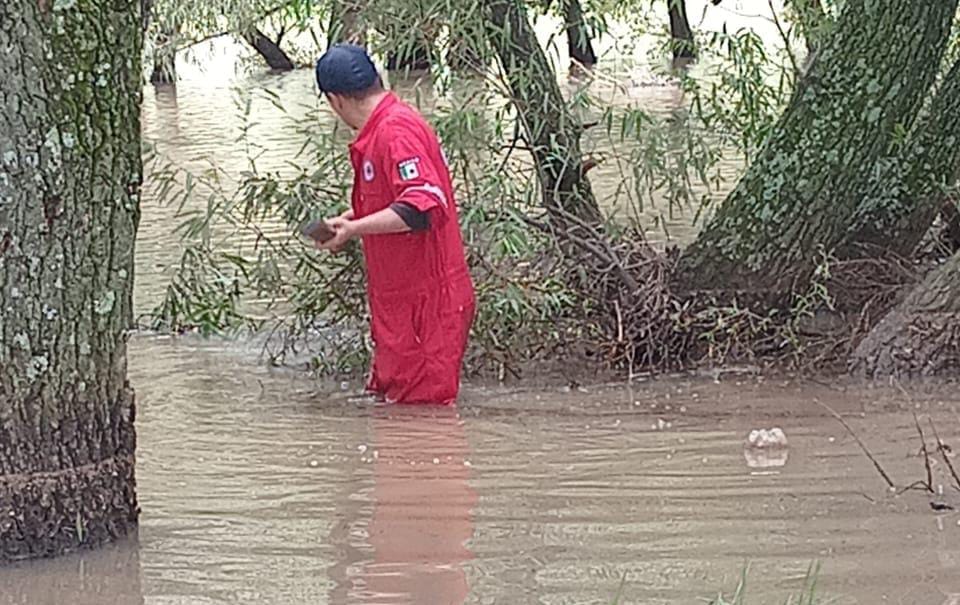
<point x="388" y="220"/>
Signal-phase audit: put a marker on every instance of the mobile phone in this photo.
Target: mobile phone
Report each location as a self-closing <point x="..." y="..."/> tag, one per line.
<point x="318" y="230"/>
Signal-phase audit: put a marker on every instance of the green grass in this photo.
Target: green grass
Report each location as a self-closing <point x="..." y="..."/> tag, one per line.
<point x="806" y="596"/>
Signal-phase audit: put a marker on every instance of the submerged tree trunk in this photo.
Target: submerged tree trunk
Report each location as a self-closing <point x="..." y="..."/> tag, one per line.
<point x="800" y="195"/>
<point x="69" y="207"/>
<point x="269" y="50"/>
<point x="681" y="34"/>
<point x="578" y="36"/>
<point x="346" y="22"/>
<point x="164" y="59"/>
<point x="464" y="56"/>
<point x="552" y="133"/>
<point x="909" y="190"/>
<point x="921" y="336"/>
<point x="410" y="55"/>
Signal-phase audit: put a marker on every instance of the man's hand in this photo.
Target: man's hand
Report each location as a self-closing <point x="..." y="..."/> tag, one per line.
<point x="344" y="231"/>
<point x="383" y="222"/>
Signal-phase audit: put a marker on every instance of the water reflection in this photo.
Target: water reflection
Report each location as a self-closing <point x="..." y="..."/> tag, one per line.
<point x="406" y="540"/>
<point x="108" y="576"/>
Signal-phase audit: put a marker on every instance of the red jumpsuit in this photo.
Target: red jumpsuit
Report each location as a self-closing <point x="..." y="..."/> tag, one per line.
<point x="420" y="292"/>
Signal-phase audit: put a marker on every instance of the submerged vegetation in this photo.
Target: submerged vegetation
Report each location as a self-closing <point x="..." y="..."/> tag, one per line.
<point x="565" y="268"/>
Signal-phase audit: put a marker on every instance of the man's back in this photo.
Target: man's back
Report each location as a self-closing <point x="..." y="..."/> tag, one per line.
<point x="399" y="159"/>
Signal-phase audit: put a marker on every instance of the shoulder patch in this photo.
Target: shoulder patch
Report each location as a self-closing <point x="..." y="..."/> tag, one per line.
<point x="408" y="169"/>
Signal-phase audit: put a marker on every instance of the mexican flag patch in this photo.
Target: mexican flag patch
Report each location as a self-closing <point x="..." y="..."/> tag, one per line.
<point x="408" y="169"/>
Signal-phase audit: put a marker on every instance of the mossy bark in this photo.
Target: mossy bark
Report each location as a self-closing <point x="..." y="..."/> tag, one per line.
<point x="910" y="188"/>
<point x="70" y="178"/>
<point x="802" y="192"/>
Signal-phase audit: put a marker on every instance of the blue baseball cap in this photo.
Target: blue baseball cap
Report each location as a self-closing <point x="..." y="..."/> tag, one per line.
<point x="345" y="68"/>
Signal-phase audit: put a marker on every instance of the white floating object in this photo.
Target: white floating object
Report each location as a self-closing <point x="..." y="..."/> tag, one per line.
<point x="767" y="438"/>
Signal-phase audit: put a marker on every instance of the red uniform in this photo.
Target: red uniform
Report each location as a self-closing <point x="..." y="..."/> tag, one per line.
<point x="421" y="296"/>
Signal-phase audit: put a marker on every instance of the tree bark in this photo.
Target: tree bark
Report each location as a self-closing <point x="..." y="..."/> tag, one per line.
<point x="579" y="43"/>
<point x="269" y="50"/>
<point x="908" y="190"/>
<point x="681" y="34"/>
<point x="921" y="336"/>
<point x="463" y="56"/>
<point x="950" y="215"/>
<point x="346" y="22"/>
<point x="164" y="59"/>
<point x="410" y="56"/>
<point x="69" y="208"/>
<point x="801" y="193"/>
<point x="466" y="51"/>
<point x="552" y="133"/>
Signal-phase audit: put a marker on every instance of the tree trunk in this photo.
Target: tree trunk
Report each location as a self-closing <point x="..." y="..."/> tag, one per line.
<point x="346" y="22"/>
<point x="466" y="52"/>
<point x="69" y="208"/>
<point x="950" y="215"/>
<point x="463" y="56"/>
<point x="164" y="69"/>
<point x="413" y="55"/>
<point x="164" y="59"/>
<point x="909" y="190"/>
<point x="681" y="34"/>
<point x="801" y="193"/>
<point x="578" y="37"/>
<point x="921" y="336"/>
<point x="552" y="133"/>
<point x="269" y="50"/>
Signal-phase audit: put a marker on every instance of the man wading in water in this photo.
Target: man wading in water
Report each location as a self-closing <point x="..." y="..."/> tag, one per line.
<point x="420" y="292"/>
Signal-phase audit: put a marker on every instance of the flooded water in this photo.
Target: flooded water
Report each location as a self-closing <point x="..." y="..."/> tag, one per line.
<point x="262" y="486"/>
<point x="204" y="123"/>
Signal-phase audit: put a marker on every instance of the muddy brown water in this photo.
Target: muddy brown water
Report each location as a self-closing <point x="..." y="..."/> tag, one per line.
<point x="263" y="486"/>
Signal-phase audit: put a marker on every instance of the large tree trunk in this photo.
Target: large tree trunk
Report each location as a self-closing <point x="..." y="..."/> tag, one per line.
<point x="346" y="22"/>
<point x="578" y="36"/>
<point x="909" y="190"/>
<point x="921" y="336"/>
<point x="681" y="34"/>
<point x="69" y="195"/>
<point x="800" y="195"/>
<point x="269" y="50"/>
<point x="551" y="131"/>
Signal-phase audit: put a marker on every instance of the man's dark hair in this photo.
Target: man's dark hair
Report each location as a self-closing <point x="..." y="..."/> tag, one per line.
<point x="359" y="95"/>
